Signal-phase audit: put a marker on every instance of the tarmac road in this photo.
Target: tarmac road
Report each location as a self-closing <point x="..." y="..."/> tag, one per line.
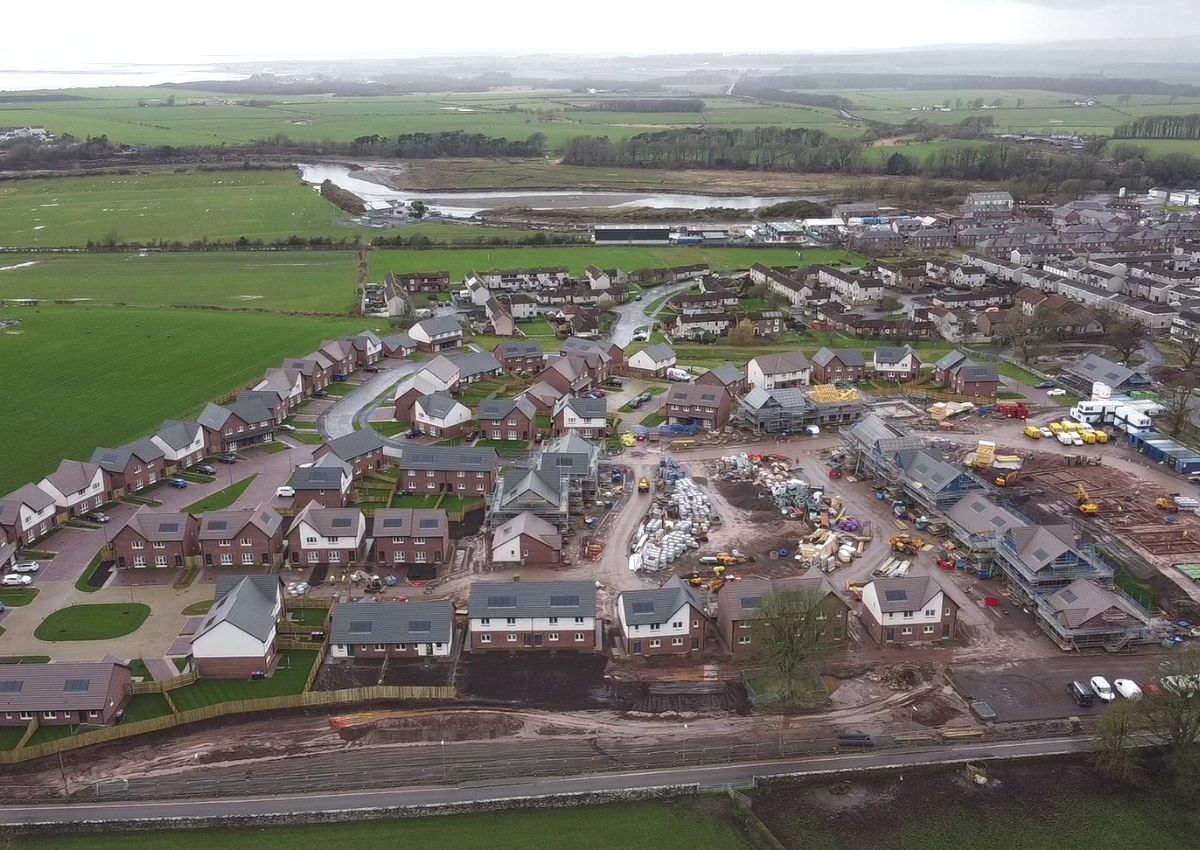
<point x="338" y="419"/>
<point x="701" y="776"/>
<point x="632" y="315"/>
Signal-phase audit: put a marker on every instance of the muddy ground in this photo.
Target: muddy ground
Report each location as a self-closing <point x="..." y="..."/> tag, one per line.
<point x="566" y="681"/>
<point x="350" y="673"/>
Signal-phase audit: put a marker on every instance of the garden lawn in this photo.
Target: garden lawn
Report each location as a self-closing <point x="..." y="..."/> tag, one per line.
<point x="16" y="597"/>
<point x="10" y="736"/>
<point x="506" y="448"/>
<point x="146" y="707"/>
<point x="308" y="616"/>
<point x="105" y="375"/>
<point x="289" y="678"/>
<point x="92" y="622"/>
<point x="221" y="499"/>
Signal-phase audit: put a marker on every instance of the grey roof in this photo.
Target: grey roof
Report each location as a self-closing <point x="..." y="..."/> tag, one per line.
<point x="532" y="599"/>
<point x="280" y="381"/>
<point x="178" y="434"/>
<point x="548" y="393"/>
<point x="500" y="408"/>
<point x="950" y="360"/>
<point x="410" y="522"/>
<point x="1039" y="545"/>
<point x="225" y="525"/>
<point x="905" y="594"/>
<point x="439" y="325"/>
<point x="439" y="405"/>
<point x="331" y="522"/>
<point x="530" y="524"/>
<point x="356" y="444"/>
<point x="256" y="405"/>
<point x="848" y="356"/>
<point x="521" y="348"/>
<point x="476" y="363"/>
<point x="115" y="460"/>
<point x="656" y="605"/>
<point x="161" y="525"/>
<point x="659" y="352"/>
<point x="728" y="374"/>
<point x="306" y="366"/>
<point x="887" y="354"/>
<point x="789" y="361"/>
<point x="65" y="685"/>
<point x="266" y="583"/>
<point x="1096" y="368"/>
<point x="978" y="514"/>
<point x="72" y="476"/>
<point x="545" y="484"/>
<point x="408" y="622"/>
<point x="32" y="495"/>
<point x="395" y="341"/>
<point x="336" y="350"/>
<point x="585" y="408"/>
<point x="872" y="430"/>
<point x="449" y="458"/>
<point x="929" y="471"/>
<point x="976" y="373"/>
<point x="1083" y="600"/>
<point x="326" y="473"/>
<point x="581" y="345"/>
<point x="744" y="598"/>
<point x="363" y="341"/>
<point x="697" y="395"/>
<point x="247" y="606"/>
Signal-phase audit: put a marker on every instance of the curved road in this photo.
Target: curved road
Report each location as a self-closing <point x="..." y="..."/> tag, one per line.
<point x="699" y="776"/>
<point x="633" y="315"/>
<point x="338" y="420"/>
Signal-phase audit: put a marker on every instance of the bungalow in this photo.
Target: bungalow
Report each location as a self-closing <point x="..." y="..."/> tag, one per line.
<point x="653" y="361"/>
<point x="472" y="367"/>
<point x="692" y="272"/>
<point x="65" y="693"/>
<point x="777" y="371"/>
<point x="27" y="514"/>
<point x="528" y="616"/>
<point x="362" y="450"/>
<point x="449" y="469"/>
<point x="527" y="540"/>
<point x="845" y="365"/>
<point x="287" y="384"/>
<point x="131" y="467"/>
<point x="703" y="324"/>
<point x="669" y="620"/>
<point x="246" y="538"/>
<point x="897" y="364"/>
<point x="416" y="629"/>
<point x="333" y="536"/>
<point x="587" y="417"/>
<point x="367" y="347"/>
<point x="315" y="372"/>
<point x="77" y="487"/>
<point x="325" y="482"/>
<point x="908" y="610"/>
<point x="704" y="404"/>
<point x="441" y="415"/>
<point x="340" y="357"/>
<point x="414" y="538"/>
<point x="245" y="422"/>
<point x="507" y="419"/>
<point x="182" y="444"/>
<point x="726" y="375"/>
<point x="716" y="301"/>
<point x="1092" y="369"/>
<point x="520" y="355"/>
<point x="739" y="610"/>
<point x="437" y="334"/>
<point x="237" y="639"/>
<point x="157" y="539"/>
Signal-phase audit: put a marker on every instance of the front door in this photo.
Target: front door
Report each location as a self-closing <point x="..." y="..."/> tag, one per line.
<point x="695" y="643"/>
<point x="537" y="640"/>
<point x="637" y="647"/>
<point x="946" y="630"/>
<point x="891" y="635"/>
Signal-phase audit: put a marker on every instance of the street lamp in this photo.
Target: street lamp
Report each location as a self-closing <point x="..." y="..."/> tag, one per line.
<point x="444" y="780"/>
<point x="685" y="729"/>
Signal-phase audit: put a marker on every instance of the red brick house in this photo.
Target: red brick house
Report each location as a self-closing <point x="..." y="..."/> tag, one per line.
<point x="568" y="374"/>
<point x="739" y="604"/>
<point x="238" y="637"/>
<point x="325" y="482"/>
<point x="579" y="345"/>
<point x="461" y="470"/>
<point x="846" y="365"/>
<point x="27" y="514"/>
<point x="587" y="417"/>
<point x="669" y="620"/>
<point x="182" y="444"/>
<point x="416" y="629"/>
<point x="362" y="450"/>
<point x="414" y="538"/>
<point x="708" y="405"/>
<point x="543" y="396"/>
<point x="132" y="467"/>
<point x="520" y="355"/>
<point x="65" y="693"/>
<point x="157" y="539"/>
<point x="908" y="610"/>
<point x="527" y="540"/>
<point x="242" y="538"/>
<point x="535" y="616"/>
<point x="77" y="487"/>
<point x="507" y="419"/>
<point x="367" y="348"/>
<point x="333" y="536"/>
<point x="340" y="356"/>
<point x="316" y="371"/>
<point x="726" y="375"/>
<point x="245" y="422"/>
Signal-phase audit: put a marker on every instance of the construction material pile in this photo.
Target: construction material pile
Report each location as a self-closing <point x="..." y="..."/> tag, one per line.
<point x="795" y="497"/>
<point x="673" y="527"/>
<point x="826" y="549"/>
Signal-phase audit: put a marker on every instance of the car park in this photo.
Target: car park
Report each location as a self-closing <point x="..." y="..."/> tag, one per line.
<point x="1082" y="694"/>
<point x="99" y="516"/>
<point x="285" y="491"/>
<point x="26" y="567"/>
<point x="177" y="483"/>
<point x="205" y="469"/>
<point x="16" y="580"/>
<point x="1127" y="688"/>
<point x="1101" y="688"/>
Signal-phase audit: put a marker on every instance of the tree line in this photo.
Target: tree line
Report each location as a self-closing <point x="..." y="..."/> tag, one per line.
<point x="800" y="98"/>
<point x="660" y="104"/>
<point x="980" y="82"/>
<point x="1161" y="127"/>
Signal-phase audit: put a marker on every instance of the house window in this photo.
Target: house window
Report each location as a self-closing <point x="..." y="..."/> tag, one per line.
<point x="478" y="474"/>
<point x="160" y="560"/>
<point x="580" y="637"/>
<point x="655" y="643"/>
<point x="419" y="541"/>
<point x="743" y="639"/>
<point x="139" y="561"/>
<point x="246" y="541"/>
<point x="654" y="627"/>
<point x="677" y="641"/>
<point x="335" y="557"/>
<point x="224" y="542"/>
<point x="552" y="637"/>
<point x="137" y="544"/>
<point x="49" y="715"/>
<point x="554" y="621"/>
<point x="512" y="637"/>
<point x="397" y="539"/>
<point x="429" y="486"/>
<point x="380" y="647"/>
<point x="907" y="630"/>
<point x="678" y="624"/>
<point x="929" y="630"/>
<point x="314" y="557"/>
<point x="695" y="624"/>
<point x="479" y="488"/>
<point x="248" y="559"/>
<point x="25" y="715"/>
<point x="401" y="646"/>
<point x="429" y="473"/>
<point x="485" y="621"/>
<point x="908" y="615"/>
<point x="932" y="612"/>
<point x="495" y="435"/>
<point x="158" y="544"/>
<point x="421" y="557"/>
<point x="947" y="612"/>
<point x="579" y="621"/>
<point x="461" y="474"/>
<point x="226" y="559"/>
<point x="485" y="638"/>
<point x="510" y="621"/>
<point x="743" y="624"/>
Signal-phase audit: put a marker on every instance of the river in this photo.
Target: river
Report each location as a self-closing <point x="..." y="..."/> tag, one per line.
<point x="468" y="203"/>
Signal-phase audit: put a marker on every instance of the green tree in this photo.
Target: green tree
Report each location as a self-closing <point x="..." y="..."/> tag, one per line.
<point x="418" y="209"/>
<point x="743" y="334"/>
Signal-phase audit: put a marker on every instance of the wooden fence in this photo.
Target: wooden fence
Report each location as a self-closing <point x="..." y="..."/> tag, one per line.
<point x="156" y="687"/>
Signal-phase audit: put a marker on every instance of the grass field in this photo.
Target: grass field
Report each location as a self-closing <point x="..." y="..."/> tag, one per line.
<point x="167" y="206"/>
<point x="92" y="622"/>
<point x="682" y="824"/>
<point x="289" y="678"/>
<point x="292" y="281"/>
<point x="101" y="376"/>
<point x="221" y="499"/>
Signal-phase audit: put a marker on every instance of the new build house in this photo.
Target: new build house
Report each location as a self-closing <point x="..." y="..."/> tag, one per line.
<point x="669" y="620"/>
<point x="460" y="470"/>
<point x="247" y="421"/>
<point x="507" y="419"/>
<point x="441" y="415"/>
<point x="65" y="693"/>
<point x="897" y="364"/>
<point x="527" y="540"/>
<point x="182" y="444"/>
<point x="653" y="361"/>
<point x="243" y="538"/>
<point x="333" y="536"/>
<point x="325" y="482"/>
<point x="586" y="417"/>
<point x="779" y="371"/>
<point x="414" y="538"/>
<point x="707" y="405"/>
<point x="27" y="514"/>
<point x="844" y="365"/>
<point x="534" y="616"/>
<point x="437" y="334"/>
<point x="726" y="375"/>
<point x="362" y="450"/>
<point x="908" y="610"/>
<point x="369" y="630"/>
<point x="77" y="487"/>
<point x="520" y="355"/>
<point x="739" y="610"/>
<point x="237" y="638"/>
<point x="131" y="467"/>
<point x="157" y="539"/>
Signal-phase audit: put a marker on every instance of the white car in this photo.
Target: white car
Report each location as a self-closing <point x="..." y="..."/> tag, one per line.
<point x="1076" y="440"/>
<point x="1127" y="688"/>
<point x="26" y="567"/>
<point x="1057" y="391"/>
<point x="285" y="491"/>
<point x="1047" y="433"/>
<point x="16" y="580"/>
<point x="1102" y="689"/>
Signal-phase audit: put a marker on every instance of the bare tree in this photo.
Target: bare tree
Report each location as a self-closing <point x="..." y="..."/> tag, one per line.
<point x="1178" y="397"/>
<point x="1188" y="351"/>
<point x="1117" y="754"/>
<point x="743" y="334"/>
<point x="1172" y="717"/>
<point x="1030" y="336"/>
<point x="789" y="637"/>
<point x="1125" y="336"/>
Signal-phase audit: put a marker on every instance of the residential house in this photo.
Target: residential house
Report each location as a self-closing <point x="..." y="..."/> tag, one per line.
<point x="978" y="523"/>
<point x="739" y="610"/>
<point x="1084" y="615"/>
<point x="897" y="364"/>
<point x="527" y="540"/>
<point x="930" y="238"/>
<point x="792" y="410"/>
<point x="363" y="450"/>
<point x="668" y="620"/>
<point x="699" y="325"/>
<point x="1091" y="369"/>
<point x="726" y="375"/>
<point x="543" y="491"/>
<point x="441" y="415"/>
<point x="653" y="361"/>
<point x="27" y="514"/>
<point x="610" y="350"/>
<point x="522" y="307"/>
<point x="157" y="539"/>
<point x="966" y="378"/>
<point x="420" y="281"/>
<point x="715" y="301"/>
<point x="333" y="536"/>
<point x="597" y="279"/>
<point x="535" y="615"/>
<point x="325" y="482"/>
<point x="132" y="467"/>
<point x="543" y="396"/>
<point x="467" y="368"/>
<point x="912" y="609"/>
<point x="768" y="322"/>
<point x="77" y="487"/>
<point x="340" y="356"/>
<point x="845" y="365"/>
<point x="587" y="417"/>
<point x="182" y="444"/>
<point x="876" y="243"/>
<point x="286" y="384"/>
<point x="246" y="422"/>
<point x="1043" y="559"/>
<point x="398" y="345"/>
<point x="315" y="372"/>
<point x="417" y="539"/>
<point x="850" y="288"/>
<point x="968" y="277"/>
<point x="414" y="629"/>
<point x="65" y="693"/>
<point x="437" y="334"/>
<point x="508" y="419"/>
<point x="520" y="355"/>
<point x="931" y="481"/>
<point x="416" y="387"/>
<point x="778" y="371"/>
<point x="367" y="347"/>
<point x="238" y="637"/>
<point x="573" y="459"/>
<point x="460" y="470"/>
<point x="905" y="276"/>
<point x="243" y="538"/>
<point x="704" y="404"/>
<point x="274" y="401"/>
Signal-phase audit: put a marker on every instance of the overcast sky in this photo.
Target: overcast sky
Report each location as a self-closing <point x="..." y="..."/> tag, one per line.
<point x="71" y="32"/>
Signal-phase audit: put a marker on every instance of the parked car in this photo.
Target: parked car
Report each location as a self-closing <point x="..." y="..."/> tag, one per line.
<point x="177" y="483"/>
<point x="1047" y="433"/>
<point x="641" y="336"/>
<point x="1082" y="694"/>
<point x="227" y="457"/>
<point x="1127" y="688"/>
<point x="99" y="516"/>
<point x="16" y="580"/>
<point x="26" y="567"/>
<point x="285" y="491"/>
<point x="321" y="393"/>
<point x="1056" y="392"/>
<point x="371" y="369"/>
<point x="205" y="469"/>
<point x="1102" y="689"/>
<point x="287" y="427"/>
<point x="415" y="432"/>
<point x="637" y="297"/>
<point x="1044" y="385"/>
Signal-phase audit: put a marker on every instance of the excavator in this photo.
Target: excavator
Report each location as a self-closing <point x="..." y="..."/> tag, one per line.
<point x="1167" y="503"/>
<point x="907" y="544"/>
<point x="1086" y="506"/>
<point x="714" y="580"/>
<point x="1007" y="478"/>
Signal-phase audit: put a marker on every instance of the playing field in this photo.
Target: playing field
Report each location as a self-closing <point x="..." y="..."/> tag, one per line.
<point x="219" y="206"/>
<point x="291" y="281"/>
<point x="100" y="376"/>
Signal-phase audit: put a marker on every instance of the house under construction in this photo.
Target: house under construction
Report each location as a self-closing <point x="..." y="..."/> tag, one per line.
<point x="792" y="410"/>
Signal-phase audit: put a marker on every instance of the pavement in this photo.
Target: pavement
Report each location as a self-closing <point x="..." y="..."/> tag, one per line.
<point x="338" y="419"/>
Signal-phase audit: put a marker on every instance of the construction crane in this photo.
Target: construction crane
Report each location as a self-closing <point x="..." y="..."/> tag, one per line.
<point x="1086" y="506"/>
<point x="907" y="544"/>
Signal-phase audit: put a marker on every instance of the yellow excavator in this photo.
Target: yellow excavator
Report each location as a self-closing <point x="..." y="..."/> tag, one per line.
<point x="1007" y="478"/>
<point x="907" y="544"/>
<point x="1086" y="506"/>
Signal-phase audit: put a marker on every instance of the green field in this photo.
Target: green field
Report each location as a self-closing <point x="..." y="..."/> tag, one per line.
<point x="686" y="824"/>
<point x="101" y="376"/>
<point x="92" y="622"/>
<point x="218" y="206"/>
<point x="292" y="281"/>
